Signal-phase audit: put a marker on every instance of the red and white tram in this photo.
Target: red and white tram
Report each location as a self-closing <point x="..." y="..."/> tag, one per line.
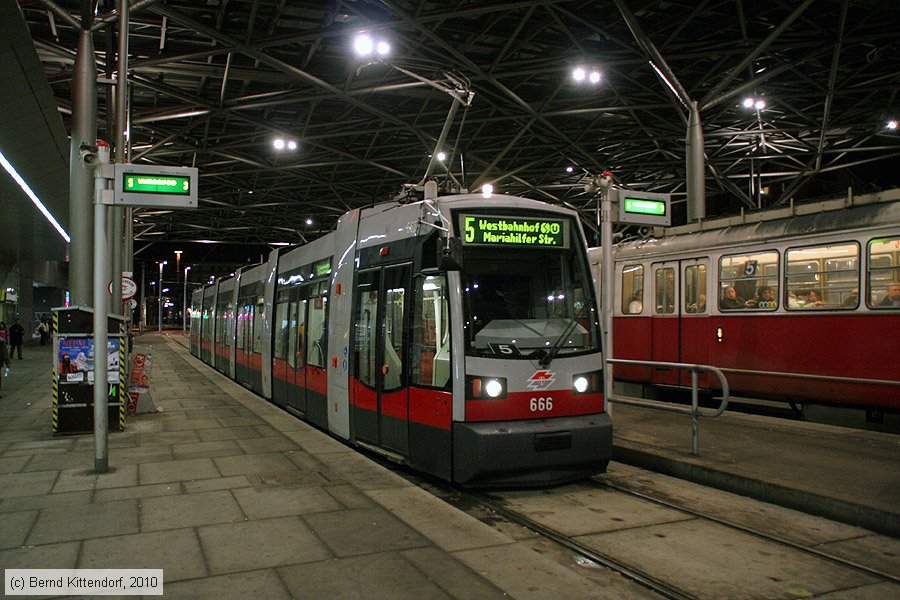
<point x="458" y="335"/>
<point x="801" y="305"/>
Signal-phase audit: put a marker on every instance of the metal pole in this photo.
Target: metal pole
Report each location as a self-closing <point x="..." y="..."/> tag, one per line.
<point x="695" y="430"/>
<point x="696" y="172"/>
<point x="159" y="291"/>
<point x="606" y="245"/>
<point x="84" y="132"/>
<point x="117" y="224"/>
<point x="184" y="308"/>
<point x="101" y="333"/>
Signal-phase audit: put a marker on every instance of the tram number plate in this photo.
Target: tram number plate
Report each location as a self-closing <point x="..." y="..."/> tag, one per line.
<point x="541" y="404"/>
<point x="504" y="349"/>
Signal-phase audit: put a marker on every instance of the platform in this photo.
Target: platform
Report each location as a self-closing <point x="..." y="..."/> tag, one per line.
<point x="234" y="498"/>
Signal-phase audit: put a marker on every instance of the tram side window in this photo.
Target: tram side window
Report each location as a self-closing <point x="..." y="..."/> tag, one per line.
<point x="430" y="333"/>
<point x="316" y="342"/>
<point x="242" y="317"/>
<point x="665" y="291"/>
<point x="206" y="328"/>
<point x="884" y="273"/>
<point x="282" y="327"/>
<point x="632" y="289"/>
<point x="748" y="281"/>
<point x="396" y="285"/>
<point x="258" y="314"/>
<point x="220" y="323"/>
<point x="822" y="276"/>
<point x="297" y="342"/>
<point x="365" y="335"/>
<point x="695" y="288"/>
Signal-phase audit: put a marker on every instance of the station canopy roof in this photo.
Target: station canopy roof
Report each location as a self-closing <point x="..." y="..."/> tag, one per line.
<point x="214" y="82"/>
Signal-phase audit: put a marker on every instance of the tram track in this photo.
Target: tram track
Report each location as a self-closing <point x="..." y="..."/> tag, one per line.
<point x="493" y="507"/>
<point x="746" y="529"/>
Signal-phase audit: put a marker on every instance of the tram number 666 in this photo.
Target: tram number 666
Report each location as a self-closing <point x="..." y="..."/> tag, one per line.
<point x="541" y="404"/>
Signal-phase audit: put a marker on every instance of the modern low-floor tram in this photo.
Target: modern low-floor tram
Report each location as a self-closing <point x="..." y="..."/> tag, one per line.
<point x="458" y="335"/>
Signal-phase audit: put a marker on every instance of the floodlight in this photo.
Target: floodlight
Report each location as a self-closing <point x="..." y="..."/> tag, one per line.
<point x="595" y="77"/>
<point x="748" y="102"/>
<point x="383" y="48"/>
<point x="292" y="145"/>
<point x="363" y="44"/>
<point x="278" y="143"/>
<point x="442" y="156"/>
<point x="486" y="190"/>
<point x="579" y="74"/>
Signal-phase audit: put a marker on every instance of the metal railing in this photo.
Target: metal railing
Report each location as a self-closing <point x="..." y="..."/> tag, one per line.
<point x="694" y="410"/>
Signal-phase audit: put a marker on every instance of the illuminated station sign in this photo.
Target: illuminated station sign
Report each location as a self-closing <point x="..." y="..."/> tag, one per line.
<point x="482" y="230"/>
<point x="155" y="186"/>
<point x="643" y="208"/>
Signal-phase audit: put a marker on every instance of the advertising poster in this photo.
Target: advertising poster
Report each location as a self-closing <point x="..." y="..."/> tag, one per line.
<point x="75" y="363"/>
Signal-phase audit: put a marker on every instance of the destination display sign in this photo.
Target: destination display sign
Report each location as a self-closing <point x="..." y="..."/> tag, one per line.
<point x="642" y="208"/>
<point x="492" y="230"/>
<point x="639" y="206"/>
<point x="157" y="184"/>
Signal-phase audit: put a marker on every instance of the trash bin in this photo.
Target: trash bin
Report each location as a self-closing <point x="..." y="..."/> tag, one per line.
<point x="73" y="370"/>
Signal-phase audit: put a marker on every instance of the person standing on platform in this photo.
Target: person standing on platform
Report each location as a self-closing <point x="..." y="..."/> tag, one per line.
<point x="4" y="361"/>
<point x="16" y="339"/>
<point x="4" y="332"/>
<point x="44" y="332"/>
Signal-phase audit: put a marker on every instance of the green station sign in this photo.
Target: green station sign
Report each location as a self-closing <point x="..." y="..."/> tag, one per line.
<point x="642" y="206"/>
<point x="514" y="231"/>
<point x="157" y="184"/>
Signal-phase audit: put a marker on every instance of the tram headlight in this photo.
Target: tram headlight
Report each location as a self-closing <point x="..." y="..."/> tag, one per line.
<point x="493" y="388"/>
<point x="588" y="383"/>
<point x="581" y="384"/>
<point x="486" y="388"/>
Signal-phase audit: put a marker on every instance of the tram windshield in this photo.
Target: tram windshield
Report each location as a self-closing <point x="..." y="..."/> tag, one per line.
<point x="528" y="302"/>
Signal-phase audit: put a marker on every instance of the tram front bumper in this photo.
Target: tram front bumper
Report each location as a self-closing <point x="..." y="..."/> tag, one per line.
<point x="531" y="453"/>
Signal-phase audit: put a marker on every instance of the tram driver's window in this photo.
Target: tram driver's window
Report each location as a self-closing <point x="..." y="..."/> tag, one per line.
<point x="632" y="289"/>
<point x="884" y="274"/>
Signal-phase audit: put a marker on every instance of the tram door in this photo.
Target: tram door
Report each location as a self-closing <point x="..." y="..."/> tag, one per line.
<point x="665" y="322"/>
<point x="696" y="339"/>
<point x="381" y="398"/>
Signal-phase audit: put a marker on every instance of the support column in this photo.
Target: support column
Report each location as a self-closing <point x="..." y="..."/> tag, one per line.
<point x="81" y="177"/>
<point x="696" y="170"/>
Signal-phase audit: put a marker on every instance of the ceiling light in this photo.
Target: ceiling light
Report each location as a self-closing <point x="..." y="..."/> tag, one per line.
<point x="442" y="156"/>
<point x="569" y="169"/>
<point x="363" y="44"/>
<point x="595" y="77"/>
<point x="309" y="221"/>
<point x="292" y="145"/>
<point x="40" y="205"/>
<point x="748" y="102"/>
<point x="383" y="48"/>
<point x="760" y="104"/>
<point x="892" y="124"/>
<point x="279" y="144"/>
<point x="486" y="190"/>
<point x="579" y="74"/>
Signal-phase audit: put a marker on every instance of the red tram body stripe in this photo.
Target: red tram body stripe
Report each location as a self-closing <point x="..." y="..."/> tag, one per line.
<point x="416" y="405"/>
<point x="838" y="345"/>
<point x="517" y="406"/>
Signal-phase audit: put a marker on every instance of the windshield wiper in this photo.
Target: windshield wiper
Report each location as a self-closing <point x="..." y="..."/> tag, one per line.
<point x="557" y="346"/>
